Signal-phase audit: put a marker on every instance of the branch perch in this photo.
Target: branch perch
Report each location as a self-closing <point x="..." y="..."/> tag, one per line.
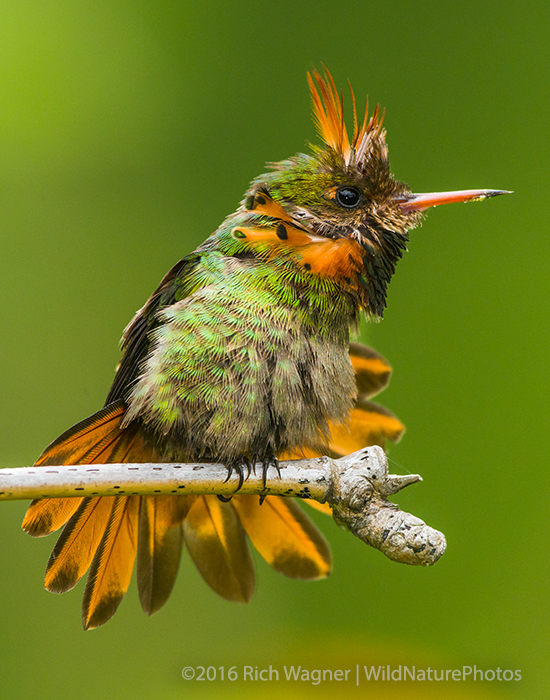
<point x="355" y="486"/>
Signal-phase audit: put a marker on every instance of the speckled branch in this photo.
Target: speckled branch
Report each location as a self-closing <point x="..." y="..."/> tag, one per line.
<point x="355" y="486"/>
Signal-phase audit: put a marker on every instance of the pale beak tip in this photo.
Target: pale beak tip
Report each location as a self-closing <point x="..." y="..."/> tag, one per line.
<point x="495" y="193"/>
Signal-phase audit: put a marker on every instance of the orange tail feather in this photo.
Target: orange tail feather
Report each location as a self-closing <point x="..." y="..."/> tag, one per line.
<point x="217" y="544"/>
<point x="159" y="547"/>
<point x="76" y="547"/>
<point x="284" y="536"/>
<point x="112" y="565"/>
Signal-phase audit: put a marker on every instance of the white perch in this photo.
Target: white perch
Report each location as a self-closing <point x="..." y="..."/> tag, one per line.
<point x="355" y="486"/>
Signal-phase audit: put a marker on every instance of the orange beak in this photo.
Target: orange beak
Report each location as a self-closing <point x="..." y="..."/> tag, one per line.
<point x="419" y="202"/>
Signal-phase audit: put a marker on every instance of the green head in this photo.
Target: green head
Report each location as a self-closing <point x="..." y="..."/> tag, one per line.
<point x="344" y="190"/>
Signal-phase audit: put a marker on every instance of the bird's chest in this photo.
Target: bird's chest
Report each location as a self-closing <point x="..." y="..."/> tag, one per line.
<point x="229" y="379"/>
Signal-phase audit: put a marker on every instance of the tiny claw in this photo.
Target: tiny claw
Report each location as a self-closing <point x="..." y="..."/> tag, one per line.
<point x="224" y="499"/>
<point x="240" y="472"/>
<point x="237" y="465"/>
<point x="267" y="462"/>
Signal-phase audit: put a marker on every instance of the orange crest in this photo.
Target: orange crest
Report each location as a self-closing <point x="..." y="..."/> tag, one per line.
<point x="328" y="111"/>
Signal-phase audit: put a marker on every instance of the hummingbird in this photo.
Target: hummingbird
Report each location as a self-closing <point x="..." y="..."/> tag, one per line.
<point x="245" y="354"/>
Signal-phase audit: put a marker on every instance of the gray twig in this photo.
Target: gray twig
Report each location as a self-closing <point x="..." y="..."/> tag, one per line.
<point x="356" y="487"/>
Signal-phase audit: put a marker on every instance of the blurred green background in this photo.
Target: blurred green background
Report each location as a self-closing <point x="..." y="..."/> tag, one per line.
<point x="128" y="130"/>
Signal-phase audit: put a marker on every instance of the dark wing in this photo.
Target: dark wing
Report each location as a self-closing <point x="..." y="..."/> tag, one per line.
<point x="136" y="337"/>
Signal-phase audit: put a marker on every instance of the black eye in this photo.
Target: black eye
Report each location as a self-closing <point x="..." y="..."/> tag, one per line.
<point x="348" y="197"/>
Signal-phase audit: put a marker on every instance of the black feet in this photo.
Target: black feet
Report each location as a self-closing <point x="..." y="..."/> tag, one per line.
<point x="224" y="499"/>
<point x="238" y="465"/>
<point x="266" y="462"/>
